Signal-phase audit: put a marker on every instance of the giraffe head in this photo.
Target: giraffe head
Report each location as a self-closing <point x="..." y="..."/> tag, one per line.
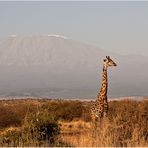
<point x="109" y="62"/>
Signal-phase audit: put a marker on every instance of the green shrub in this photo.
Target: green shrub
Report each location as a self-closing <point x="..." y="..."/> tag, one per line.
<point x="41" y="126"/>
<point x="38" y="129"/>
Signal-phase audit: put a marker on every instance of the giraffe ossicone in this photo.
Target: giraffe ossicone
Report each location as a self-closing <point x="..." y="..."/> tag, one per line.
<point x="99" y="108"/>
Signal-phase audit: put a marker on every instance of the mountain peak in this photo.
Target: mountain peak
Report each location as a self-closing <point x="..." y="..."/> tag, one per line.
<point x="58" y="36"/>
<point x="13" y="35"/>
<point x="41" y="35"/>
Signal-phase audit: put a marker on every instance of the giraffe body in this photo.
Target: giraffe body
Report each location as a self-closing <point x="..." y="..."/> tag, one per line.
<point x="100" y="106"/>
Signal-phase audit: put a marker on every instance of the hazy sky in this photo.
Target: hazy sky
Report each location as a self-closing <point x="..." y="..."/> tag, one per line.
<point x="116" y="26"/>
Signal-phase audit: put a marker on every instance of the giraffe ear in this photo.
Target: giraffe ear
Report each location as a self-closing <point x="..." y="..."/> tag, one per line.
<point x="108" y="57"/>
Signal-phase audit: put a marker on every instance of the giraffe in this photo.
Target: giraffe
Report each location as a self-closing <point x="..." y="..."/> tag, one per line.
<point x="99" y="108"/>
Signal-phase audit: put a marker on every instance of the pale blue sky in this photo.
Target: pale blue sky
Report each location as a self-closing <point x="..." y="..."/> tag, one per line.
<point x="115" y="26"/>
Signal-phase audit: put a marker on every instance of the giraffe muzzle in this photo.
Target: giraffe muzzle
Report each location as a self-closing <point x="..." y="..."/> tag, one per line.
<point x="115" y="64"/>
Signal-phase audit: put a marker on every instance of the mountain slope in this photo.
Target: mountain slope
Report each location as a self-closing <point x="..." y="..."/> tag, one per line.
<point x="58" y="67"/>
<point x="44" y="50"/>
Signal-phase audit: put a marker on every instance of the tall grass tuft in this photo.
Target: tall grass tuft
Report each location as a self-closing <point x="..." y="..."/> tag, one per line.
<point x="39" y="129"/>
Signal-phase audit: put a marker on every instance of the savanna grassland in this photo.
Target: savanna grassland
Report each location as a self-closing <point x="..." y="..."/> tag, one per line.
<point x="48" y="122"/>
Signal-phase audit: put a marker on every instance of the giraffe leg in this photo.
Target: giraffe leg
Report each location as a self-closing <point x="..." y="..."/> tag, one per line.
<point x="94" y="127"/>
<point x="100" y="123"/>
<point x="105" y="109"/>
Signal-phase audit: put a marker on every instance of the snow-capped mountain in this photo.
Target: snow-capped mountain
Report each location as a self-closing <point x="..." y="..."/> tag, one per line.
<point x="56" y="66"/>
<point x="44" y="50"/>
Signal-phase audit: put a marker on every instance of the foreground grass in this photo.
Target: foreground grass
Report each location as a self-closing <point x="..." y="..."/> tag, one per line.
<point x="126" y="124"/>
<point x="107" y="135"/>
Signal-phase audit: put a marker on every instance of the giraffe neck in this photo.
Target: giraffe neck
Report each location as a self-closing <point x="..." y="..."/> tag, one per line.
<point x="104" y="84"/>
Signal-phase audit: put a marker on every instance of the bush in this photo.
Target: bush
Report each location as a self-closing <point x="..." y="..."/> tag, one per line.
<point x="38" y="129"/>
<point x="66" y="110"/>
<point x="41" y="126"/>
<point x="8" y="118"/>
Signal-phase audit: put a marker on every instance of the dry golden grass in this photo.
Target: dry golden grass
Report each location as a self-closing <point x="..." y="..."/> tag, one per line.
<point x="74" y="127"/>
<point x="126" y="124"/>
<point x="5" y="130"/>
<point x="84" y="134"/>
<point x="73" y="132"/>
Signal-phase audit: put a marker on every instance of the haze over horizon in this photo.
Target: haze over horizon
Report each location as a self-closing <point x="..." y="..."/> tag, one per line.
<point x="116" y="26"/>
<point x="59" y="67"/>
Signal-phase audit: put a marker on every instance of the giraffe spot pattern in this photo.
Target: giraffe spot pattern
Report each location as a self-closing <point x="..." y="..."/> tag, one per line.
<point x="100" y="107"/>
